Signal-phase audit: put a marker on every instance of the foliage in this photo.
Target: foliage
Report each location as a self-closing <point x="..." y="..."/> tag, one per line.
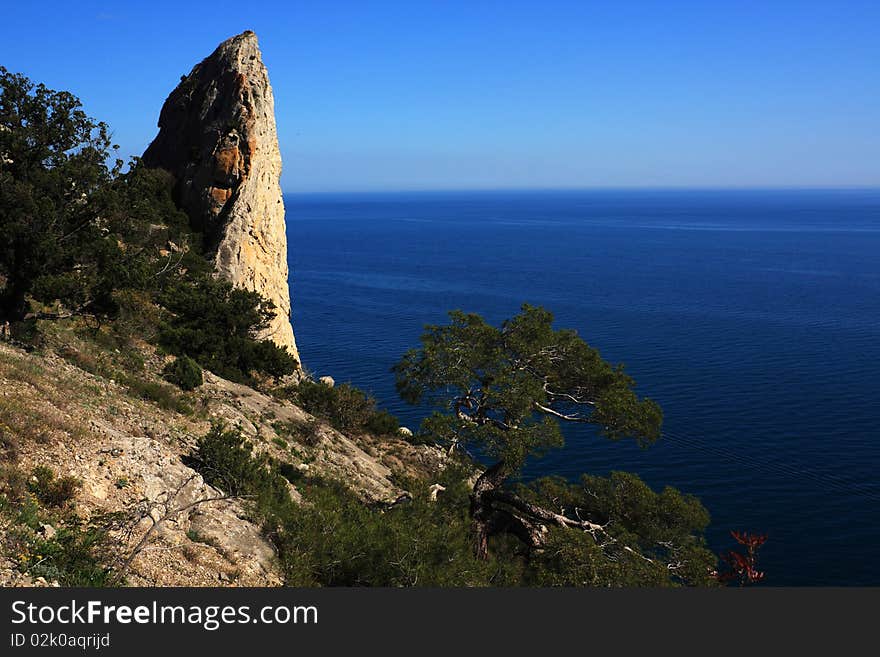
<point x="743" y="568"/>
<point x="305" y="432"/>
<point x="184" y="372"/>
<point x="346" y="407"/>
<point x="54" y="199"/>
<point x="75" y="229"/>
<point x="73" y="556"/>
<point x="382" y="423"/>
<point x="162" y="394"/>
<point x="76" y="554"/>
<point x="335" y="539"/>
<point x="662" y="531"/>
<point x="506" y="389"/>
<point x="226" y="461"/>
<point x="83" y="238"/>
<point x="51" y="490"/>
<point x="215" y="324"/>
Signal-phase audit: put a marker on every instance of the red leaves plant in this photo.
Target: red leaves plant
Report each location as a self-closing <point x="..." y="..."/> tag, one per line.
<point x="743" y="568"/>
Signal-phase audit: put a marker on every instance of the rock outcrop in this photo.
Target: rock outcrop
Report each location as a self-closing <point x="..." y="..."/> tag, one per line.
<point x="217" y="136"/>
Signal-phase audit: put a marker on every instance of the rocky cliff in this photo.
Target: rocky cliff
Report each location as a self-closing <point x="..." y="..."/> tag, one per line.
<point x="217" y="136"/>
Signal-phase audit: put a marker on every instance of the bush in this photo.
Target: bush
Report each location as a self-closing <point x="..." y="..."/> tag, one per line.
<point x="335" y="539"/>
<point x="52" y="491"/>
<point x="9" y="445"/>
<point x="305" y="432"/>
<point x="76" y="554"/>
<point x="345" y="407"/>
<point x="382" y="423"/>
<point x="184" y="372"/>
<point x="289" y="471"/>
<point x="216" y="324"/>
<point x="225" y="459"/>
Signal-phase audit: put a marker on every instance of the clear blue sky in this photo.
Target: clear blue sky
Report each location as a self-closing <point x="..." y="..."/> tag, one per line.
<point x="451" y="95"/>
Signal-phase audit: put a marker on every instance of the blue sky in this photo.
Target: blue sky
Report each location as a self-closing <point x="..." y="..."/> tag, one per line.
<point x="456" y="95"/>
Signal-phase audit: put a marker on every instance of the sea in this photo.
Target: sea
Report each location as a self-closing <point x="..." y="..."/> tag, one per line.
<point x="751" y="316"/>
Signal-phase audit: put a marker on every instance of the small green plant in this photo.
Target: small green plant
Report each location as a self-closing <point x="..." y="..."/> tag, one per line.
<point x="184" y="372"/>
<point x="51" y="490"/>
<point x="122" y="482"/>
<point x="280" y="442"/>
<point x="216" y="324"/>
<point x="73" y="556"/>
<point x="44" y="538"/>
<point x="289" y="471"/>
<point x="9" y="444"/>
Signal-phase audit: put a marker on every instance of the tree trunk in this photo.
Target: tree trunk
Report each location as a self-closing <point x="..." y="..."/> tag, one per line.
<point x="484" y="518"/>
<point x="13" y="303"/>
<point x="495" y="510"/>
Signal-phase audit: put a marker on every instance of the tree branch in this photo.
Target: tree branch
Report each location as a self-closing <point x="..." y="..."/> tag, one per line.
<point x="568" y="418"/>
<point x="165" y="512"/>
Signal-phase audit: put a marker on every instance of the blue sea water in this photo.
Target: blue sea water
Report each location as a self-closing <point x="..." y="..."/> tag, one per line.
<point x="752" y="317"/>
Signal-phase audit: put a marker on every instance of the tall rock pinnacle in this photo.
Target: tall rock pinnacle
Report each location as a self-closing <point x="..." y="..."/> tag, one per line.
<point x="217" y="136"/>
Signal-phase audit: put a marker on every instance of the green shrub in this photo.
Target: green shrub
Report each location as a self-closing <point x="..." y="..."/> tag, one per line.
<point x="335" y="539"/>
<point x="13" y="484"/>
<point x="84" y="361"/>
<point x="289" y="471"/>
<point x="74" y="556"/>
<point x="9" y="445"/>
<point x="52" y="491"/>
<point x="225" y="459"/>
<point x="345" y="407"/>
<point x="184" y="372"/>
<point x="382" y="423"/>
<point x="77" y="553"/>
<point x="215" y="323"/>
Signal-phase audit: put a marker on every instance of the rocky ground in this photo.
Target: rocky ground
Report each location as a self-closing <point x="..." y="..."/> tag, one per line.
<point x="130" y="456"/>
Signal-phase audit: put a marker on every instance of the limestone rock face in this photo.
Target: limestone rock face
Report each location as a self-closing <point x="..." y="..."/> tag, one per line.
<point x="217" y="136"/>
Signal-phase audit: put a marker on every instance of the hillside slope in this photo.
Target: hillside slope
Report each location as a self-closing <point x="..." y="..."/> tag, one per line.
<point x="131" y="457"/>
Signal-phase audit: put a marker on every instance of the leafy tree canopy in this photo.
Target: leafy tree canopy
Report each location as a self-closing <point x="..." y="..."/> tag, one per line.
<point x="506" y="390"/>
<point x="54" y="193"/>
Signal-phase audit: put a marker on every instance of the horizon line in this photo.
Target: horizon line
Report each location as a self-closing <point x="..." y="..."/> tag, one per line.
<point x="609" y="188"/>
